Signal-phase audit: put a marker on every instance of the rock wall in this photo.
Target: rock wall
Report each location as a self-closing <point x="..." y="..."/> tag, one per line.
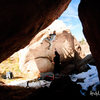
<point x="38" y="56"/>
<point x="21" y="20"/>
<point x="89" y="13"/>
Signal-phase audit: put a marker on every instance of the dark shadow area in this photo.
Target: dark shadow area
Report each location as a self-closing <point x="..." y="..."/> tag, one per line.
<point x="58" y="88"/>
<point x="62" y="87"/>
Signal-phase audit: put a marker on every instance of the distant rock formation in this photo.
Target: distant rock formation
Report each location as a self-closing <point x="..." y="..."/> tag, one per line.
<point x="85" y="48"/>
<point x="37" y="56"/>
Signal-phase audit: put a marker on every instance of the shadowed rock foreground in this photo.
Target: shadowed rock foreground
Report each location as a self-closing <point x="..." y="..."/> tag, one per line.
<point x="21" y="20"/>
<point x="89" y="15"/>
<point x="62" y="87"/>
<point x="59" y="88"/>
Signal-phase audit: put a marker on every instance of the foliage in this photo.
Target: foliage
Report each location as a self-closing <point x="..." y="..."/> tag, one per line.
<point x="82" y="41"/>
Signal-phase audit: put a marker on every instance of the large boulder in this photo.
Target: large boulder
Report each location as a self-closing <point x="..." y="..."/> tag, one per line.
<point x="21" y="20"/>
<point x="37" y="56"/>
<point x="89" y="14"/>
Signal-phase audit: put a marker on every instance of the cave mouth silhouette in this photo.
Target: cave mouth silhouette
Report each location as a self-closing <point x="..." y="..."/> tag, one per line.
<point x="94" y="46"/>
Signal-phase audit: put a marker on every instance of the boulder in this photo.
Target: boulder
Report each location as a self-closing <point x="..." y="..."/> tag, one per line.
<point x="21" y="20"/>
<point x="38" y="55"/>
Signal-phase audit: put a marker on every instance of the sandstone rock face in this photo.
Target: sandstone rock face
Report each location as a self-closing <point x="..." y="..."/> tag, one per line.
<point x="89" y="13"/>
<point x="85" y="48"/>
<point x="37" y="56"/>
<point x="21" y="20"/>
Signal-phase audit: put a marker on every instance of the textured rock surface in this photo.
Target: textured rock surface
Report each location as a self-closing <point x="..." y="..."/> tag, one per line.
<point x="89" y="13"/>
<point x="21" y="20"/>
<point x="36" y="57"/>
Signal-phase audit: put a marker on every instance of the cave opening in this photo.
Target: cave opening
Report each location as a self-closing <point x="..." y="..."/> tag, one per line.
<point x="66" y="84"/>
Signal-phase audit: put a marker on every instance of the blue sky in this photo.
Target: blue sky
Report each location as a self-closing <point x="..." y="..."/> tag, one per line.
<point x="70" y="18"/>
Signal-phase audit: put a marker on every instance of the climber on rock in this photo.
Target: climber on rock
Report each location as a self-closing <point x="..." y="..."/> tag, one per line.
<point x="50" y="39"/>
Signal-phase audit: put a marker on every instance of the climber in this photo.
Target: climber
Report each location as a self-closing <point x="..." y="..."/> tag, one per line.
<point x="50" y="38"/>
<point x="57" y="66"/>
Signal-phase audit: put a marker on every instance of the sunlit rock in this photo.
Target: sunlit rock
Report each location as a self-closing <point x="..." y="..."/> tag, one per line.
<point x="38" y="55"/>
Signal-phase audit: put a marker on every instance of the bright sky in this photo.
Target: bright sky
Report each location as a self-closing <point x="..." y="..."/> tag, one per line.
<point x="70" y="18"/>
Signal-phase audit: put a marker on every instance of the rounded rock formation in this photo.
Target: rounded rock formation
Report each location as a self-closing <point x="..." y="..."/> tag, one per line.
<point x="38" y="56"/>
